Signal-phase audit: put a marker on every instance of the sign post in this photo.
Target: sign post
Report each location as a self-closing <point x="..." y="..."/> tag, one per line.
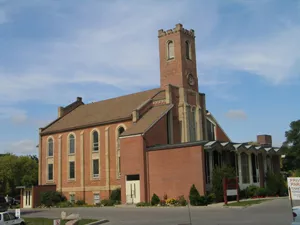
<point x="231" y="188"/>
<point x="56" y="222"/>
<point x="18" y="213"/>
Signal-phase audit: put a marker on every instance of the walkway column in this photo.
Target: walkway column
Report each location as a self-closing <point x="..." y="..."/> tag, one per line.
<point x="240" y="168"/>
<point x="210" y="165"/>
<point x="250" y="168"/>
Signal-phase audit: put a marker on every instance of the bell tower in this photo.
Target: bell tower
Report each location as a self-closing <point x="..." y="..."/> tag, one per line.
<point x="178" y="58"/>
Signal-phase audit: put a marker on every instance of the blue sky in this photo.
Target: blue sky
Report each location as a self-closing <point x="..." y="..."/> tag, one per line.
<point x="53" y="51"/>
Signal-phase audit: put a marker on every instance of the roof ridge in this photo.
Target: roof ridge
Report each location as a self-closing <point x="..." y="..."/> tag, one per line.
<point x="127" y="95"/>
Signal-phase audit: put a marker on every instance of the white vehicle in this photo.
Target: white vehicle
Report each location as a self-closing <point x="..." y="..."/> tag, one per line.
<point x="9" y="218"/>
<point x="296" y="215"/>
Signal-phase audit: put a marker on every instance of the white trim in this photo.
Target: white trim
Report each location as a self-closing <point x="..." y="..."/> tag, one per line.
<point x="68" y="143"/>
<point x="118" y="149"/>
<point x="155" y="121"/>
<point x="50" y="137"/>
<point x="209" y="114"/>
<point x="134" y="135"/>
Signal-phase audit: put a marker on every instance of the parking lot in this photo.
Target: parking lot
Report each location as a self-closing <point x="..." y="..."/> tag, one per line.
<point x="274" y="212"/>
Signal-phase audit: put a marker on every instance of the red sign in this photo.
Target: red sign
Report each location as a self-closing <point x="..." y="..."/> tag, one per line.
<point x="231" y="188"/>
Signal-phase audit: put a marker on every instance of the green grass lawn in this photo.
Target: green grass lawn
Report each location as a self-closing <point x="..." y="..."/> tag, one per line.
<point x="44" y="221"/>
<point x="247" y="203"/>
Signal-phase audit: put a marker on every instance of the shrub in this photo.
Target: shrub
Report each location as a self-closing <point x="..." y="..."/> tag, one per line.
<point x="261" y="192"/>
<point x="172" y="201"/>
<point x="202" y="201"/>
<point x="276" y="184"/>
<point x="182" y="201"/>
<point x="217" y="180"/>
<point x="65" y="204"/>
<point x="80" y="203"/>
<point x="143" y="204"/>
<point x="107" y="202"/>
<point x="211" y="198"/>
<point x="163" y="202"/>
<point x="251" y="191"/>
<point x="51" y="198"/>
<point x="116" y="195"/>
<point x="194" y="195"/>
<point x="155" y="200"/>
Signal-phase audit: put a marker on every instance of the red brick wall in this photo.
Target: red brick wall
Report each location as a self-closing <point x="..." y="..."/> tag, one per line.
<point x="158" y="133"/>
<point x="133" y="162"/>
<point x="37" y="192"/>
<point x="220" y="135"/>
<point x="174" y="171"/>
<point x="175" y="71"/>
<point x="191" y="98"/>
<point x="75" y="186"/>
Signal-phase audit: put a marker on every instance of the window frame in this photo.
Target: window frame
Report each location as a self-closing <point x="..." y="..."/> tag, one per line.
<point x="93" y="143"/>
<point x="169" y="57"/>
<point x="96" y="176"/>
<point x="245" y="168"/>
<point x="48" y="170"/>
<point x="74" y="167"/>
<point x="188" y="54"/>
<point x="69" y="143"/>
<point x="48" y="147"/>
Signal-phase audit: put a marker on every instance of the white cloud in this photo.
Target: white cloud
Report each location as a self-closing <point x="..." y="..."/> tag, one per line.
<point x="275" y="58"/>
<point x="236" y="114"/>
<point x="14" y="114"/>
<point x="22" y="147"/>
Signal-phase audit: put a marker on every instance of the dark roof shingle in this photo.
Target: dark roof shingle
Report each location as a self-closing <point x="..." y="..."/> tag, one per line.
<point x="151" y="117"/>
<point x="101" y="112"/>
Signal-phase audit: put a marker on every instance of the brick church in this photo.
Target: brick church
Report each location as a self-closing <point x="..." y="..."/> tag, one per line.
<point x="157" y="141"/>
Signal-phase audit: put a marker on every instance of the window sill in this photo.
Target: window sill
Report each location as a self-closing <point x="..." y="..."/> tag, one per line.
<point x="50" y="182"/>
<point x="95" y="151"/>
<point x="71" y="180"/>
<point x="50" y="157"/>
<point x="170" y="59"/>
<point x="95" y="178"/>
<point x="71" y="154"/>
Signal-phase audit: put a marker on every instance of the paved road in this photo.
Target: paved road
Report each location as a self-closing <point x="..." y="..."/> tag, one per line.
<point x="275" y="212"/>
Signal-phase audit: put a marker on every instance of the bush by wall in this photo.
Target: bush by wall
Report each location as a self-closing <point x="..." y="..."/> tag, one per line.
<point x="155" y="199"/>
<point x="143" y="204"/>
<point x="276" y="185"/>
<point x="51" y="198"/>
<point x="217" y="180"/>
<point x="116" y="195"/>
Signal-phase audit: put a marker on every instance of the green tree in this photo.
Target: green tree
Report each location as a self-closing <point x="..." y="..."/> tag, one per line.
<point x="17" y="171"/>
<point x="292" y="147"/>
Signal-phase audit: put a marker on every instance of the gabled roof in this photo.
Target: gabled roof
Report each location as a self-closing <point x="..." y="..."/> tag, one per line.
<point x="106" y="111"/>
<point x="148" y="120"/>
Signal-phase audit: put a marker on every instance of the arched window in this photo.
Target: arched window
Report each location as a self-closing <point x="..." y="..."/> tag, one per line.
<point x="245" y="168"/>
<point x="50" y="147"/>
<point x="71" y="144"/>
<point x="119" y="132"/>
<point x="170" y="50"/>
<point x="188" y="50"/>
<point x="95" y="141"/>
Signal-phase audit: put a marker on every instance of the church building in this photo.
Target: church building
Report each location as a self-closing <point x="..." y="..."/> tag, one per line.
<point x="158" y="141"/>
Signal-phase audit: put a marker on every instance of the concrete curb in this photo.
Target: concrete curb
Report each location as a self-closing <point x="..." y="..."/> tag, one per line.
<point x="99" y="222"/>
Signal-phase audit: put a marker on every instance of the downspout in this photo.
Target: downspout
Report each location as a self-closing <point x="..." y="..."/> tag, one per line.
<point x="146" y="173"/>
<point x="40" y="157"/>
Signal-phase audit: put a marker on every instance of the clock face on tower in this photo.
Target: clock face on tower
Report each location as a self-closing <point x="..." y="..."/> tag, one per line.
<point x="191" y="80"/>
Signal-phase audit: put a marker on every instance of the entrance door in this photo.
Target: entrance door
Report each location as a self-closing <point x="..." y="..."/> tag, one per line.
<point x="27" y="197"/>
<point x="133" y="189"/>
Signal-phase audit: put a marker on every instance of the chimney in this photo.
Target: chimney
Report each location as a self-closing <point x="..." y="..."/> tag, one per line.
<point x="60" y="111"/>
<point x="79" y="99"/>
<point x="264" y="140"/>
